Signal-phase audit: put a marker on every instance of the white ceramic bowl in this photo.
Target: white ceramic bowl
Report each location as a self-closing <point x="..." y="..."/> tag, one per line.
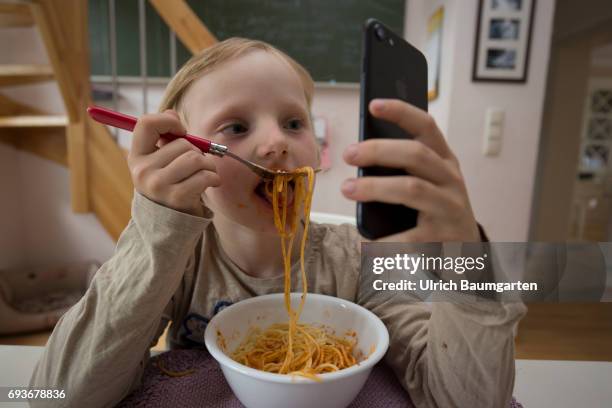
<point x="255" y="388"/>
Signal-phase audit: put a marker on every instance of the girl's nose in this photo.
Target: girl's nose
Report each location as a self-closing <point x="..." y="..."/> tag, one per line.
<point x="273" y="144"/>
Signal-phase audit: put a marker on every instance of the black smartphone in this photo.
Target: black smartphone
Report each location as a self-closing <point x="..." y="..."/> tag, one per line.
<point x="391" y="68"/>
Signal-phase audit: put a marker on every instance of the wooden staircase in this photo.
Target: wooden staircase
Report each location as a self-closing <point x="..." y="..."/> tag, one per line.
<point x="24" y="74"/>
<point x="99" y="178"/>
<point x="15" y="14"/>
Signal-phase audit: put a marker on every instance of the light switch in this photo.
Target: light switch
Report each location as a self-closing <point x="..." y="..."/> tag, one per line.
<point x="320" y="128"/>
<point x="493" y="132"/>
<point x="497" y="116"/>
<point x="321" y="131"/>
<point x="493" y="147"/>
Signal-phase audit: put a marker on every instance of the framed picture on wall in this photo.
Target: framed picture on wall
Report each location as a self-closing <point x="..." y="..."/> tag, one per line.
<point x="433" y="53"/>
<point x="503" y="39"/>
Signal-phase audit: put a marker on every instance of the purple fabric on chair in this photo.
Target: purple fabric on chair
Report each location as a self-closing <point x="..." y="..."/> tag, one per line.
<point x="206" y="386"/>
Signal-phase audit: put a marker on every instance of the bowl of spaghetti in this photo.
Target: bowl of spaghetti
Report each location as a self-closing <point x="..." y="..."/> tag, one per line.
<point x="329" y="329"/>
<point x="280" y="350"/>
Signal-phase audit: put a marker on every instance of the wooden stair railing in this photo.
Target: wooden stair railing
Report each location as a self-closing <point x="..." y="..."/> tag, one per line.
<point x="185" y="23"/>
<point x="62" y="31"/>
<point x="100" y="179"/>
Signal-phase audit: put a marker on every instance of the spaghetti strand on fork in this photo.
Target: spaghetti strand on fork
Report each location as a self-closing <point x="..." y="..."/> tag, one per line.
<point x="292" y="347"/>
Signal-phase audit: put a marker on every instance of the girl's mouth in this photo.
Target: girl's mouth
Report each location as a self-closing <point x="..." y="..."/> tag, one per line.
<point x="264" y="191"/>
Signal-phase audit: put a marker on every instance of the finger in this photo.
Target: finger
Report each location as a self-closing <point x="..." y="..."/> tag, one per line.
<point x="173" y="113"/>
<point x="405" y="190"/>
<point x="412" y="156"/>
<point x="430" y="234"/>
<point x="162" y="142"/>
<point x="180" y="195"/>
<point x="149" y="128"/>
<point x="414" y="121"/>
<point x="185" y="166"/>
<point x="170" y="151"/>
<point x="196" y="183"/>
<point x="412" y="235"/>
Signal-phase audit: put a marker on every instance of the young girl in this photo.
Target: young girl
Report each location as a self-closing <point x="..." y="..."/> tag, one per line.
<point x="202" y="236"/>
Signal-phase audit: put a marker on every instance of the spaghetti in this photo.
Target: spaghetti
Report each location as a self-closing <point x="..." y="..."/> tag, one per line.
<point x="294" y="348"/>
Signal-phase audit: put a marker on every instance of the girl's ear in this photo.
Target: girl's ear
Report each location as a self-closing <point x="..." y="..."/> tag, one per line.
<point x="183" y="117"/>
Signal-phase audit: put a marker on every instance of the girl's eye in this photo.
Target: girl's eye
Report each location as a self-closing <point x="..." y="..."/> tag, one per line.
<point x="235" y="129"/>
<point x="294" y="124"/>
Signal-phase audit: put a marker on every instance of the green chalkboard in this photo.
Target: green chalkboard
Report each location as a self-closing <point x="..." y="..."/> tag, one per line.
<point x="325" y="36"/>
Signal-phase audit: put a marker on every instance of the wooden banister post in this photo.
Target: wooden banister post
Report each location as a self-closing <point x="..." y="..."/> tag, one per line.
<point x="64" y="32"/>
<point x="185" y="23"/>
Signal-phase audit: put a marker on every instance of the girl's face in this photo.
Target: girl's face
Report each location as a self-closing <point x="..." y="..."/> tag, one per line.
<point x="255" y="105"/>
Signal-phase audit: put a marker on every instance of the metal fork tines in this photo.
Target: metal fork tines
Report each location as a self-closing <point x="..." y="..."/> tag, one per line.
<point x="264" y="173"/>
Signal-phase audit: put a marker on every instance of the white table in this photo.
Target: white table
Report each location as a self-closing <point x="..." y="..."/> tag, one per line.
<point x="552" y="383"/>
<point x="16" y="366"/>
<point x="539" y="383"/>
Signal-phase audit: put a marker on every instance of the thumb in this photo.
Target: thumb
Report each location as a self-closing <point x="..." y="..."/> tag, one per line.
<point x="411" y="235"/>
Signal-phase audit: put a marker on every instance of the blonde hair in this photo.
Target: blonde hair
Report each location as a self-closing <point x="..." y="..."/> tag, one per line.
<point x="212" y="57"/>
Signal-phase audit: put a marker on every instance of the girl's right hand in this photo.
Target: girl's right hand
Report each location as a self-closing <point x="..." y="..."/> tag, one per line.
<point x="173" y="174"/>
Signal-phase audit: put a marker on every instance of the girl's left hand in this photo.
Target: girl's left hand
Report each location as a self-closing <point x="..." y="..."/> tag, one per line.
<point x="435" y="186"/>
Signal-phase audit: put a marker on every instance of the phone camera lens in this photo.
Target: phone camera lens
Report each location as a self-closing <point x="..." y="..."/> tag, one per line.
<point x="380" y="33"/>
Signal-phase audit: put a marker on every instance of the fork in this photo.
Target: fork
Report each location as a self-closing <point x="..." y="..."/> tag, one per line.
<point x="126" y="122"/>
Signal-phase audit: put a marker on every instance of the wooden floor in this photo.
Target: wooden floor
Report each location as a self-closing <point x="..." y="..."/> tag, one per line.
<point x="548" y="332"/>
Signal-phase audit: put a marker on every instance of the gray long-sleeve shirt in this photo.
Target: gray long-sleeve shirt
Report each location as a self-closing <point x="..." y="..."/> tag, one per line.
<point x="169" y="267"/>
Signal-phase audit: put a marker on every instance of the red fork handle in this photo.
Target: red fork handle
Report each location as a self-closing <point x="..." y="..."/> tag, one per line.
<point x="126" y="122"/>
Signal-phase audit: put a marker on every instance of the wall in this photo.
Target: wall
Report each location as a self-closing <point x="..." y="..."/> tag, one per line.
<point x="54" y="233"/>
<point x="574" y="16"/>
<point x="417" y="16"/>
<point x="38" y="225"/>
<point x="12" y="233"/>
<point x="500" y="187"/>
<point x="560" y="141"/>
<point x="602" y="58"/>
<point x="508" y="179"/>
<point x="578" y="29"/>
<point x="341" y="109"/>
